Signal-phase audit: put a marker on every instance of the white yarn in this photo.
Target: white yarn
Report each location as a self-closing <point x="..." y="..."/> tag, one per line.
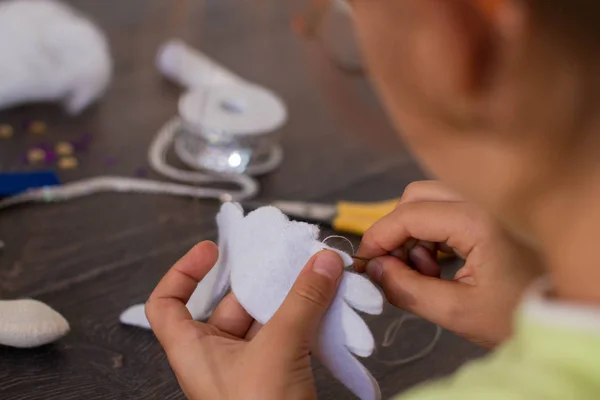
<point x="50" y="52"/>
<point x="390" y="336"/>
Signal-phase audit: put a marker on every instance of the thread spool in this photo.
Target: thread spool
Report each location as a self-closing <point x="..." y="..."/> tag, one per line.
<point x="230" y="129"/>
<point x="227" y="124"/>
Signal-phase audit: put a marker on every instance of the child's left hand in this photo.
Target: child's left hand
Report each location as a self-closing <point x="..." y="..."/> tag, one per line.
<point x="231" y="357"/>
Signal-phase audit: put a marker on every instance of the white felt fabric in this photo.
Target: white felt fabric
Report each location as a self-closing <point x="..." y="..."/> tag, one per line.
<point x="209" y="292"/>
<point x="262" y="255"/>
<point x="266" y="253"/>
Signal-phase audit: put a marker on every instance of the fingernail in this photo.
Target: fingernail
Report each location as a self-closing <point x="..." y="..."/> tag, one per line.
<point x="375" y="270"/>
<point x="329" y="265"/>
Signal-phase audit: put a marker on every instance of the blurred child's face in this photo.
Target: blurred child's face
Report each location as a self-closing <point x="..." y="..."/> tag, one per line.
<point x="468" y="96"/>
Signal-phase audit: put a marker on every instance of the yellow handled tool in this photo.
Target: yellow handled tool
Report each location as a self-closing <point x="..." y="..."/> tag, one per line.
<point x="357" y="218"/>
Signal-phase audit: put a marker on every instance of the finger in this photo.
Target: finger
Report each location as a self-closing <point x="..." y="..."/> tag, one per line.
<point x="434" y="299"/>
<point x="404" y="253"/>
<point x="253" y="331"/>
<point x="166" y="308"/>
<point x="465" y="275"/>
<point x="424" y="261"/>
<point x="444" y="248"/>
<point x="230" y="317"/>
<point x="428" y="191"/>
<point x="296" y="322"/>
<point x="456" y="224"/>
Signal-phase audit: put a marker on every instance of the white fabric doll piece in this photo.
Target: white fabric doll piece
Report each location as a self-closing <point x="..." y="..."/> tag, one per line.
<point x="262" y="255"/>
<point x="265" y="253"/>
<point x="30" y="323"/>
<point x="49" y="52"/>
<point x="208" y="294"/>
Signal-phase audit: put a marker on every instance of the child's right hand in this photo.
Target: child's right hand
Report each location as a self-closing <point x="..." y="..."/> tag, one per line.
<point x="479" y="303"/>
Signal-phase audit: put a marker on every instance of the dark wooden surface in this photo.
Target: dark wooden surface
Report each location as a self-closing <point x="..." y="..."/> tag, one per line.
<point x="93" y="257"/>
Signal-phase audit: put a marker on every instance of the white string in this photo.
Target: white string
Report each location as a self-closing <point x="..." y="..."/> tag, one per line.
<point x="340" y="237"/>
<point x="390" y="337"/>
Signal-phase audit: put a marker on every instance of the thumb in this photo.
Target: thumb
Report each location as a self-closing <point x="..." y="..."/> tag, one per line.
<point x="439" y="301"/>
<point x="298" y="319"/>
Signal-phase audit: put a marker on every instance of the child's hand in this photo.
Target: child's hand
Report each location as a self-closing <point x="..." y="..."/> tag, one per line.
<point x="231" y="356"/>
<point x="480" y="302"/>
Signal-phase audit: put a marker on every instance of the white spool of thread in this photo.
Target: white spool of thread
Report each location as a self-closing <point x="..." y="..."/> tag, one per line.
<point x="227" y="123"/>
<point x="230" y="129"/>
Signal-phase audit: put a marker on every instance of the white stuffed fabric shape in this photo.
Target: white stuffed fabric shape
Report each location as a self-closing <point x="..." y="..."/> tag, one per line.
<point x="261" y="255"/>
<point x="29" y="323"/>
<point x="49" y="52"/>
<point x="265" y="254"/>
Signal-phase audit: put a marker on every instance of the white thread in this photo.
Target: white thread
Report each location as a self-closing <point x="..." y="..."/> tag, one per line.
<point x="340" y="237"/>
<point x="390" y="336"/>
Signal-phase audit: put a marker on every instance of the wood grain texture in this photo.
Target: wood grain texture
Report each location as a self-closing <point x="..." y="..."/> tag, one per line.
<point x="93" y="257"/>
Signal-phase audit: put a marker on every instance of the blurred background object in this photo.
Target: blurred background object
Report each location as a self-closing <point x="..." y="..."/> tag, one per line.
<point x="330" y="21"/>
<point x="339" y="37"/>
<point x="50" y="52"/>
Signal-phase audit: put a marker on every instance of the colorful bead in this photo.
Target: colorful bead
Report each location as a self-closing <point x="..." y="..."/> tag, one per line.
<point x="38" y="128"/>
<point x="68" y="163"/>
<point x="64" y="149"/>
<point x="6" y="131"/>
<point x="36" y="155"/>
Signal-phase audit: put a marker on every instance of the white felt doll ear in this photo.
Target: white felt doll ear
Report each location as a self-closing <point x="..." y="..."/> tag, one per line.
<point x="356" y="333"/>
<point x="349" y="371"/>
<point x="344" y="333"/>
<point x="135" y="316"/>
<point x="358" y="291"/>
<point x="214" y="286"/>
<point x="361" y="294"/>
<point x="211" y="290"/>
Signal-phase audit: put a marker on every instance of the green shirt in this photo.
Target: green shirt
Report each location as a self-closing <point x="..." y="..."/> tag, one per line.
<point x="554" y="355"/>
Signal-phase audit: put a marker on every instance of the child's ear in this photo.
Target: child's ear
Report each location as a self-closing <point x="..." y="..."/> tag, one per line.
<point x="433" y="58"/>
<point x="455" y="48"/>
<point x="471" y="38"/>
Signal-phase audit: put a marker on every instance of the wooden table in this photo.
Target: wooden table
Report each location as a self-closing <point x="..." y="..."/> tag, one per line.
<point x="91" y="258"/>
